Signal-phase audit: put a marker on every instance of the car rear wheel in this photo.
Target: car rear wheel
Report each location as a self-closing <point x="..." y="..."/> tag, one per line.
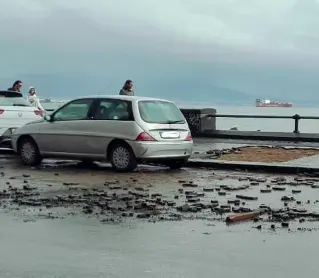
<point x="122" y="158"/>
<point x="176" y="163"/>
<point x="29" y="152"/>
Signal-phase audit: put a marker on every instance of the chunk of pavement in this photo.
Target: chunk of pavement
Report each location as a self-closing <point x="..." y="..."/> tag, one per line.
<point x="245" y="197"/>
<point x="287" y="198"/>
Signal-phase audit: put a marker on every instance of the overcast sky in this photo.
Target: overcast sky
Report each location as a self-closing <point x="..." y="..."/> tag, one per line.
<point x="242" y="43"/>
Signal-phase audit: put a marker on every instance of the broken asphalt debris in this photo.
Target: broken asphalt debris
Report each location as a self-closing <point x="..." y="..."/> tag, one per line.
<point x="216" y="199"/>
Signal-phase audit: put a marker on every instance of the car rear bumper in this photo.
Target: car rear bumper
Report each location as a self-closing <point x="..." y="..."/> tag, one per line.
<point x="162" y="150"/>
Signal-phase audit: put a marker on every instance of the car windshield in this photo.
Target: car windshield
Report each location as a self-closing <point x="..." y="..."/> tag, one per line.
<point x="160" y="112"/>
<point x="13" y="101"/>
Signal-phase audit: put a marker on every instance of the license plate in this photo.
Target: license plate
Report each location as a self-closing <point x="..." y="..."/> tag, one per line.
<point x="170" y="135"/>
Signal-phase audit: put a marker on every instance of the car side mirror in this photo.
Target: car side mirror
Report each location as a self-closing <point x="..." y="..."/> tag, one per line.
<point x="48" y="118"/>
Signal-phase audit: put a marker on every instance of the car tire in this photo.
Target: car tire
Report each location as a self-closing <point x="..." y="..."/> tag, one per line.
<point x="122" y="158"/>
<point x="176" y="163"/>
<point x="29" y="152"/>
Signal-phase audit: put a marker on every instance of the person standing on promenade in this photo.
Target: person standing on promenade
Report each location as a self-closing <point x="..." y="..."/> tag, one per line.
<point x="34" y="100"/>
<point x="17" y="85"/>
<point x="127" y="89"/>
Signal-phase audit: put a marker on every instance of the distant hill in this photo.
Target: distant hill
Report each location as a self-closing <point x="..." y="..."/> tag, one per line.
<point x="69" y="86"/>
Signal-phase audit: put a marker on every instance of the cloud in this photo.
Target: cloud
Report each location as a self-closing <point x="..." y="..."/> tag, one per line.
<point x="259" y="26"/>
<point x="203" y="39"/>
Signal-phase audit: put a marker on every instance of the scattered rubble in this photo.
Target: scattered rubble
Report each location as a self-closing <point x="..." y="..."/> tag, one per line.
<point x="217" y="200"/>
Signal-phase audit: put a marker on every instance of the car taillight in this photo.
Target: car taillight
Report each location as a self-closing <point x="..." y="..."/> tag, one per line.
<point x="38" y="112"/>
<point x="189" y="137"/>
<point x="144" y="136"/>
<point x="1" y="111"/>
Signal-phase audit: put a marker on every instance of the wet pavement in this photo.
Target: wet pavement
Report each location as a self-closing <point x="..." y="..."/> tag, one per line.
<point x="84" y="248"/>
<point x="65" y="219"/>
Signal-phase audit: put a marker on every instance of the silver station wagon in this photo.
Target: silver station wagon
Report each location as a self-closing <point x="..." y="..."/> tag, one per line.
<point x="123" y="130"/>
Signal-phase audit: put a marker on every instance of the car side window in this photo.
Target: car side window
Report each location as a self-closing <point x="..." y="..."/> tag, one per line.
<point x="114" y="109"/>
<point x="75" y="110"/>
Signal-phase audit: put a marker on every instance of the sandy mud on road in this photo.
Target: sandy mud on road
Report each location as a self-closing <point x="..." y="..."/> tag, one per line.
<point x="62" y="189"/>
<point x="268" y="154"/>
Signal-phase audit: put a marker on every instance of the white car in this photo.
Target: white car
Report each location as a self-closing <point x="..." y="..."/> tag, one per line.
<point x="15" y="112"/>
<point x="124" y="130"/>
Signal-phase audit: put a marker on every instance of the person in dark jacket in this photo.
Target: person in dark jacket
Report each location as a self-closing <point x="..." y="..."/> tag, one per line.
<point x="17" y="85"/>
<point x="127" y="89"/>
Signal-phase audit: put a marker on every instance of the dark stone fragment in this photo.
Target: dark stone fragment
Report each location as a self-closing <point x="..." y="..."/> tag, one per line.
<point x="243" y="209"/>
<point x="235" y="209"/>
<point x="184" y="208"/>
<point x="208" y="189"/>
<point x="70" y="183"/>
<point x="287" y="198"/>
<point x="244" y="197"/>
<point x="193" y="200"/>
<point x="27" y="188"/>
<point x="170" y="203"/>
<point x="143" y="215"/>
<point x="156" y="195"/>
<point x="190" y="185"/>
<point x="279" y="188"/>
<point x="285" y="224"/>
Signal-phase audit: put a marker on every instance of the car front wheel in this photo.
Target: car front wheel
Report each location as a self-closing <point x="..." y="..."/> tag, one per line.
<point x="122" y="158"/>
<point x="29" y="152"/>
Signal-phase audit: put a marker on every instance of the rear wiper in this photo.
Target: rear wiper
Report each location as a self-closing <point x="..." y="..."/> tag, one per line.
<point x="19" y="105"/>
<point x="175" y="122"/>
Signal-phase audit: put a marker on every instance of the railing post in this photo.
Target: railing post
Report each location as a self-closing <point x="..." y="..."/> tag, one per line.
<point x="296" y="117"/>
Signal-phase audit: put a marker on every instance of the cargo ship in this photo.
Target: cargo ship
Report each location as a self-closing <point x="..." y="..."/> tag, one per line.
<point x="271" y="103"/>
<point x="46" y="100"/>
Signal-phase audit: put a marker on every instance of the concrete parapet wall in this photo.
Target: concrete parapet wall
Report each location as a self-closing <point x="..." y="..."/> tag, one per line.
<point x="198" y="119"/>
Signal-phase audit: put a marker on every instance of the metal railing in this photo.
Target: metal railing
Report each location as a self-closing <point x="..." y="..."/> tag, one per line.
<point x="295" y="117"/>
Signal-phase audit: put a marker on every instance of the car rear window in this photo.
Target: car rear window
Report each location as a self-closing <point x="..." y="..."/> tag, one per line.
<point x="160" y="112"/>
<point x="13" y="101"/>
